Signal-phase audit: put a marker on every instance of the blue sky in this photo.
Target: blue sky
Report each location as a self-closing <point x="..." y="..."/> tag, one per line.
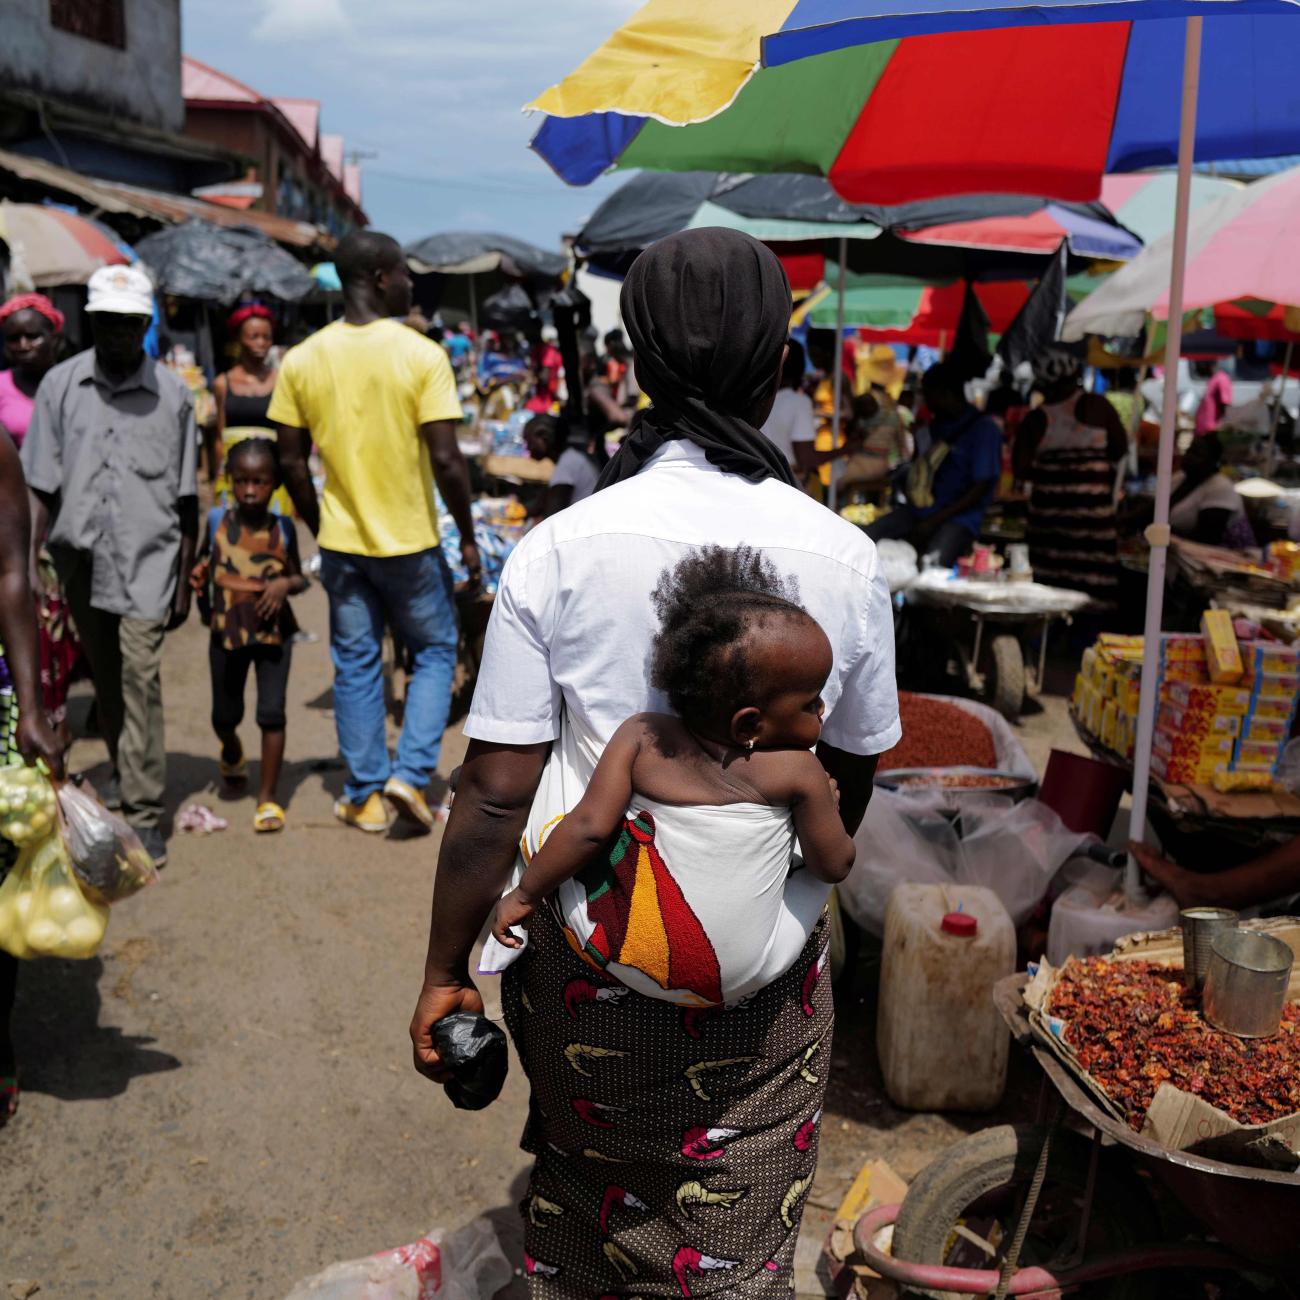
<point x="433" y="87"/>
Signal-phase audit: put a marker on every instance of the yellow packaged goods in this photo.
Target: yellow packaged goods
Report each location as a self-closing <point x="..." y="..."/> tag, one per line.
<point x="1222" y="656"/>
<point x="1189" y="722"/>
<point x="1271" y="686"/>
<point x="1109" y="711"/>
<point x="1256" y="753"/>
<point x="1207" y="698"/>
<point x="1186" y="770"/>
<point x="1255" y="727"/>
<point x="1119" y="641"/>
<point x="1267" y="706"/>
<point x="1088" y="664"/>
<point x="1284" y="559"/>
<point x="1179" y="745"/>
<point x="1184" y="670"/>
<point x="1242" y="782"/>
<point x="1271" y="657"/>
<point x="1182" y="646"/>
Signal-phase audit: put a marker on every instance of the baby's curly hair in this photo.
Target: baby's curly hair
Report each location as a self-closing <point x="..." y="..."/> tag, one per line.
<point x="706" y="604"/>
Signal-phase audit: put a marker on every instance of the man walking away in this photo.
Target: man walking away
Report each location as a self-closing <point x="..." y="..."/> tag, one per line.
<point x="379" y="400"/>
<point x="110" y="456"/>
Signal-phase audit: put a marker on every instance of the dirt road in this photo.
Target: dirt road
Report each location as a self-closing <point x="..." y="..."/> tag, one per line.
<point x="223" y="1101"/>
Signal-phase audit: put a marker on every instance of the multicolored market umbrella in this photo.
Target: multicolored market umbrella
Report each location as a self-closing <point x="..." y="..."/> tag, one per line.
<point x="913" y="98"/>
<point x="786" y="208"/>
<point x="903" y="311"/>
<point x="900" y="101"/>
<point x="50" y="246"/>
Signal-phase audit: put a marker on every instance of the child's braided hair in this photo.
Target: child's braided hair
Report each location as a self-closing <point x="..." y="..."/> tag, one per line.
<point x="252" y="448"/>
<point x="706" y="603"/>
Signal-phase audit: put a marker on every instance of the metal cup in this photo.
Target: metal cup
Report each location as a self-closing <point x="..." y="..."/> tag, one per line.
<point x="1245" y="986"/>
<point x="1201" y="926"/>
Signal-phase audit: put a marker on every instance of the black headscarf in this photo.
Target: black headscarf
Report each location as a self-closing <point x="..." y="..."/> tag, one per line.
<point x="706" y="312"/>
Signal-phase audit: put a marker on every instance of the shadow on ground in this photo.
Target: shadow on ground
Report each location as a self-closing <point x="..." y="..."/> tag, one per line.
<point x="64" y="1050"/>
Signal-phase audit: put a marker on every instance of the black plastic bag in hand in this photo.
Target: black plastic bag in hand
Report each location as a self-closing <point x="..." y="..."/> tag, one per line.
<point x="474" y="1050"/>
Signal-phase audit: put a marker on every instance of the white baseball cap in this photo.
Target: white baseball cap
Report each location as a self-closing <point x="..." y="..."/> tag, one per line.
<point x="126" y="290"/>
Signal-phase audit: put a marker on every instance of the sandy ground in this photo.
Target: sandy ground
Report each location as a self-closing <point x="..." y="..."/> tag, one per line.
<point x="223" y="1102"/>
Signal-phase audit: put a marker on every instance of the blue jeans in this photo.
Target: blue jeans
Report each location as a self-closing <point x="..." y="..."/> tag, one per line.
<point x="414" y="594"/>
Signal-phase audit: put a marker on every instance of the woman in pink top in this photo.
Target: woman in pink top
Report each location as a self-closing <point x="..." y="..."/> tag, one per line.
<point x="1217" y="399"/>
<point x="31" y="327"/>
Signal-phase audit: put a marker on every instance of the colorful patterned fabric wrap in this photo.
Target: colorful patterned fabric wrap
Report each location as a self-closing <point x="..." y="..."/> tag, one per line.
<point x="243" y="561"/>
<point x="675" y="1145"/>
<point x="8" y="748"/>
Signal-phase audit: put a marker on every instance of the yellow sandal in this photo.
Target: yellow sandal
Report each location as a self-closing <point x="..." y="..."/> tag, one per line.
<point x="268" y="817"/>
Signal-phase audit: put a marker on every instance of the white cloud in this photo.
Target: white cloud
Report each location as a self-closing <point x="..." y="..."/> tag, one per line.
<point x="301" y="20"/>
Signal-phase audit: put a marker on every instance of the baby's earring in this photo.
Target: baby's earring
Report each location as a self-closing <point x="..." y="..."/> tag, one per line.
<point x="749" y="744"/>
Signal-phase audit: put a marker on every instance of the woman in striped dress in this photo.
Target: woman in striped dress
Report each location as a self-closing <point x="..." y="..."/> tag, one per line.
<point x="1070" y="449"/>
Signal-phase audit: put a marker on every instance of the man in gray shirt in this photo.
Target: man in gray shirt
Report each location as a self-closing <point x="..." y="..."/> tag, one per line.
<point x="110" y="456"/>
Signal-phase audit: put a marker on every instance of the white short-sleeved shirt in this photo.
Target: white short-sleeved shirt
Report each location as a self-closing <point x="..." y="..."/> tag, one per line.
<point x="568" y="647"/>
<point x="792" y="420"/>
<point x="573" y="623"/>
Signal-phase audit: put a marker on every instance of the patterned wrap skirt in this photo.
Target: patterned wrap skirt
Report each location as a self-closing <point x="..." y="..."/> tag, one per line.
<point x="674" y="1146"/>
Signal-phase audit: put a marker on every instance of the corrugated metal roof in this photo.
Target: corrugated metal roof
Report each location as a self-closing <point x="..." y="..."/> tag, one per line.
<point x="199" y="81"/>
<point x="304" y="117"/>
<point x="115" y="197"/>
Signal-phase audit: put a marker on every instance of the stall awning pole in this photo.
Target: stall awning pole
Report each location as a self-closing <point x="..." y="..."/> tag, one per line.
<point x="1158" y="532"/>
<point x="837" y="385"/>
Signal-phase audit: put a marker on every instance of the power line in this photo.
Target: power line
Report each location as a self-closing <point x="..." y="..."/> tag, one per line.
<point x="453" y="182"/>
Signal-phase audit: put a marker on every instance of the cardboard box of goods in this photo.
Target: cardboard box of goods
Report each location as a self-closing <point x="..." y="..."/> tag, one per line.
<point x="1088" y="663"/>
<point x="1222" y="656"/>
<point x="1184" y="670"/>
<point x="1206" y="745"/>
<point x="1189" y="722"/>
<point x="1186" y="771"/>
<point x="1207" y="698"/>
<point x="1255" y="727"/>
<point x="1265" y="706"/>
<point x="1271" y="657"/>
<point x="1256" y="754"/>
<point x="1182" y="645"/>
<point x="1271" y="686"/>
<point x="1127" y="694"/>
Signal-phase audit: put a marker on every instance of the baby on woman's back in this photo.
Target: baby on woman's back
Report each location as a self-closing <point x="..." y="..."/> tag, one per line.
<point x="684" y="839"/>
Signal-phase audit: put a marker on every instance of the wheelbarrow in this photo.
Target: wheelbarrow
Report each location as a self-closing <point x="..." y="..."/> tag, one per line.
<point x="1066" y="1203"/>
<point x="1003" y="616"/>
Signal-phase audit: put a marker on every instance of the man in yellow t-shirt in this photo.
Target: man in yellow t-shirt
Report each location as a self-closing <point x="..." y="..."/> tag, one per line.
<point x="379" y="400"/>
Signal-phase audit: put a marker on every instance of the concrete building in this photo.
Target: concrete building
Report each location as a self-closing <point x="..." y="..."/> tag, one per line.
<point x="95" y="86"/>
<point x="295" y="170"/>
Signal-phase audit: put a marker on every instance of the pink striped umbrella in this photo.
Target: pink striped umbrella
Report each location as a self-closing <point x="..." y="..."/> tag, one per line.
<point x="1241" y="262"/>
<point x="50" y="247"/>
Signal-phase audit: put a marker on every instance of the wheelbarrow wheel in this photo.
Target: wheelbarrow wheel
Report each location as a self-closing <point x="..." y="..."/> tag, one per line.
<point x="978" y="1185"/>
<point x="1008" y="676"/>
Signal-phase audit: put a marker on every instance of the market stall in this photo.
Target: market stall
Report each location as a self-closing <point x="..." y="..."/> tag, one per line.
<point x="1222" y="728"/>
